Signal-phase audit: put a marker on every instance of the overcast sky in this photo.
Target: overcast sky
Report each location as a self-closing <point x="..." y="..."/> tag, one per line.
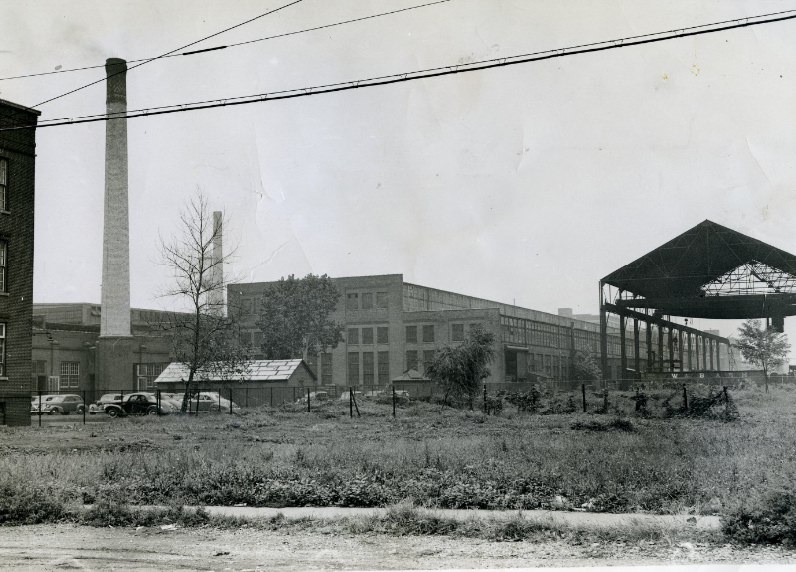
<point x="526" y="183"/>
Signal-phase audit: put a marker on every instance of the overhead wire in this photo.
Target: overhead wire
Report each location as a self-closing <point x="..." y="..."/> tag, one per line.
<point x="284" y="35"/>
<point x="423" y="74"/>
<point x="250" y="20"/>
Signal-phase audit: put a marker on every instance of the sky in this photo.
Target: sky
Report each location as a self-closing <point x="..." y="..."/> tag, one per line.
<point x="522" y="184"/>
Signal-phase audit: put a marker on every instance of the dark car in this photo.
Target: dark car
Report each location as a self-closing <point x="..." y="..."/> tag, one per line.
<point x="136" y="404"/>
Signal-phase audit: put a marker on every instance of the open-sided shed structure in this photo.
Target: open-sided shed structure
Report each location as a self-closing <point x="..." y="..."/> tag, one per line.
<point x="709" y="271"/>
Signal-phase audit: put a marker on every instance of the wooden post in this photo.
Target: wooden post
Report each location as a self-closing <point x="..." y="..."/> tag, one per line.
<point x="636" y="347"/>
<point x="685" y="398"/>
<point x="622" y="348"/>
<point x="485" y="411"/>
<point x="84" y="405"/>
<point x="393" y="401"/>
<point x="351" y="402"/>
<point x="230" y="401"/>
<point x="308" y="400"/>
<point x="583" y="392"/>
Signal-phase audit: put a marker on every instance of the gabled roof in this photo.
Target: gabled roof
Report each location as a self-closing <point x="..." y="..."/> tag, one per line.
<point x="252" y="370"/>
<point x="674" y="274"/>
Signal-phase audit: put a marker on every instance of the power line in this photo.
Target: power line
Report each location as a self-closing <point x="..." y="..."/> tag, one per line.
<point x="420" y="74"/>
<point x="172" y="51"/>
<point x="172" y="55"/>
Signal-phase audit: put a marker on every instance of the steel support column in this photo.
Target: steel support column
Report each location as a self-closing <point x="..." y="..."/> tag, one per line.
<point x="690" y="351"/>
<point x="660" y="346"/>
<point x="671" y="349"/>
<point x="680" y="347"/>
<point x="603" y="337"/>
<point x="636" y="346"/>
<point x="622" y="347"/>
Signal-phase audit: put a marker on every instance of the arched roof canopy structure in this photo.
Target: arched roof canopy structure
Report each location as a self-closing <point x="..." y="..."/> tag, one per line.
<point x="710" y="271"/>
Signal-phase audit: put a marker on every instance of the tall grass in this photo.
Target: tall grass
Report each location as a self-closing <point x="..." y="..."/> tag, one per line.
<point x="432" y="456"/>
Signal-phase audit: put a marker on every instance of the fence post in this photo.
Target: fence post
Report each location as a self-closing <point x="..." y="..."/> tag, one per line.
<point x="393" y="401"/>
<point x="485" y="398"/>
<point x="308" y="400"/>
<point x="219" y="399"/>
<point x="39" y="408"/>
<point x="197" y="400"/>
<point x="583" y="394"/>
<point x="350" y="402"/>
<point x="230" y="401"/>
<point x="685" y="398"/>
<point x="84" y="407"/>
<point x="726" y="401"/>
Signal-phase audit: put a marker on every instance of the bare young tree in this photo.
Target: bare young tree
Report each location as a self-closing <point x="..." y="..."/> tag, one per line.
<point x="204" y="339"/>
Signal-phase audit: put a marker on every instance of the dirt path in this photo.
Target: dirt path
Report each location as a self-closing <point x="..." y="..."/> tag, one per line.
<point x="58" y="547"/>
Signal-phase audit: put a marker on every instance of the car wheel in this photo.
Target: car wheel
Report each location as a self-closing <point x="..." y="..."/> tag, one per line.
<point x="52" y="412"/>
<point x="152" y="411"/>
<point x="112" y="412"/>
<point x="80" y="410"/>
<point x="214" y="408"/>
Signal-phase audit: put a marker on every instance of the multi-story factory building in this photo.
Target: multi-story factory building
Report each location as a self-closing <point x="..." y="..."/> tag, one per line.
<point x="392" y="326"/>
<point x="17" y="174"/>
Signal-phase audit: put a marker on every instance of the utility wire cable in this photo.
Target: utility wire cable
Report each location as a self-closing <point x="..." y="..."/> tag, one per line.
<point x="174" y="50"/>
<point x="420" y="74"/>
<point x="172" y="55"/>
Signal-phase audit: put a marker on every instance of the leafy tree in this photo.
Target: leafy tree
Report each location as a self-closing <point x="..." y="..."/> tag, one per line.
<point x="294" y="317"/>
<point x="461" y="369"/>
<point x="202" y="337"/>
<point x="584" y="366"/>
<point x="762" y="346"/>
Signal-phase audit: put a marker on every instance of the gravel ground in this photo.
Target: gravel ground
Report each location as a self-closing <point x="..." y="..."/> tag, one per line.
<point x="58" y="547"/>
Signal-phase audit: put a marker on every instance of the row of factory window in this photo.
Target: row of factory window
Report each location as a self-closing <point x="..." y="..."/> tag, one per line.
<point x="3" y="184"/>
<point x="68" y="376"/>
<point x="368" y="368"/>
<point x="425" y="333"/>
<point x="367" y="300"/>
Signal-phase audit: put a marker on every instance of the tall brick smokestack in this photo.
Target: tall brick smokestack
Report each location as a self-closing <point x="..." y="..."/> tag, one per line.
<point x="217" y="275"/>
<point x="116" y="243"/>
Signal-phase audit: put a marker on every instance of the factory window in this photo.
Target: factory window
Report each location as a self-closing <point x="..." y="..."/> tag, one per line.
<point x="367" y="336"/>
<point x="70" y="375"/>
<point x="352" y="302"/>
<point x="3" y="259"/>
<point x="367" y="368"/>
<point x="411" y="359"/>
<point x="384" y="368"/>
<point x="383" y="335"/>
<point x="353" y="336"/>
<point x="411" y="334"/>
<point x="428" y="357"/>
<point x="428" y="333"/>
<point x="457" y="332"/>
<point x="146" y="373"/>
<point x="367" y="301"/>
<point x="3" y="184"/>
<point x="326" y="368"/>
<point x="382" y="301"/>
<point x="39" y="367"/>
<point x="353" y="368"/>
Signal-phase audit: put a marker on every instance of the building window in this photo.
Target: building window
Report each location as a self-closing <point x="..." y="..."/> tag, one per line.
<point x="428" y="357"/>
<point x="411" y="359"/>
<point x="326" y="368"/>
<point x="367" y="336"/>
<point x="353" y="336"/>
<point x="146" y="374"/>
<point x="383" y="335"/>
<point x="3" y="259"/>
<point x="353" y="368"/>
<point x="382" y="300"/>
<point x="457" y="332"/>
<point x="384" y="368"/>
<point x="367" y="301"/>
<point x="428" y="333"/>
<point x="3" y="184"/>
<point x="367" y="368"/>
<point x="70" y="375"/>
<point x="411" y="334"/>
<point x="352" y="302"/>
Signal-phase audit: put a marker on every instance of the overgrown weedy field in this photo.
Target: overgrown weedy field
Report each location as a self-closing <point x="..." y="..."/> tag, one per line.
<point x="430" y="456"/>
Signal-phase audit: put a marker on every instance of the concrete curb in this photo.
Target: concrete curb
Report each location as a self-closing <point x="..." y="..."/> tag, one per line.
<point x="574" y="519"/>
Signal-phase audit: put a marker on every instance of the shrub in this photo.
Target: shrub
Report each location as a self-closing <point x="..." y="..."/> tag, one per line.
<point x="771" y="520"/>
<point x="24" y="505"/>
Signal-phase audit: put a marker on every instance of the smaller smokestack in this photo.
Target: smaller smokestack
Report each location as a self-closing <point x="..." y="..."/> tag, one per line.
<point x="217" y="275"/>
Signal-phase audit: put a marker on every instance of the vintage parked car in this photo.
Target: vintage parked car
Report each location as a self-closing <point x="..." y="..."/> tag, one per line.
<point x="315" y="396"/>
<point x="137" y="404"/>
<point x="103" y="401"/>
<point x="63" y="404"/>
<point x="34" y="402"/>
<point x="211" y="401"/>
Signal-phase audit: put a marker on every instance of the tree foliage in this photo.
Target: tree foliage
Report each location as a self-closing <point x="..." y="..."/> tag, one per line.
<point x="461" y="369"/>
<point x="294" y="317"/>
<point x="203" y="338"/>
<point x="584" y="366"/>
<point x="762" y="346"/>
